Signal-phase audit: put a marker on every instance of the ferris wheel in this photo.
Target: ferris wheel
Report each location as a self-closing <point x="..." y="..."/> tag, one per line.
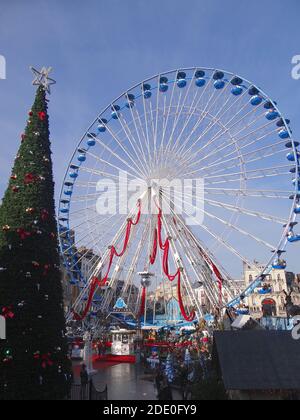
<point x="177" y="184"/>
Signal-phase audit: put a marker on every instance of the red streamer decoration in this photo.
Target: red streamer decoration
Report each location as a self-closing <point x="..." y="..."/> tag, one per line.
<point x="113" y="253"/>
<point x="215" y="271"/>
<point x="165" y="247"/>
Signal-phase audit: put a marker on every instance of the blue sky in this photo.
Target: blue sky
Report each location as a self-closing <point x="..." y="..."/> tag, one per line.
<point x="99" y="48"/>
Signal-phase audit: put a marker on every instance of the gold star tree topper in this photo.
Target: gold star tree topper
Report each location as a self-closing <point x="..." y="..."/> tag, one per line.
<point x="42" y="78"/>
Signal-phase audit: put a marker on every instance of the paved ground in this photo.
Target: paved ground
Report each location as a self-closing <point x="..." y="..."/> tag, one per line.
<point x="125" y="382"/>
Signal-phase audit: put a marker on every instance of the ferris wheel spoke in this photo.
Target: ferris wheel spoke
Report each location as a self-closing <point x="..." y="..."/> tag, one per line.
<point x="241" y="210"/>
<point x="276" y="194"/>
<point x="214" y="120"/>
<point x="245" y="174"/>
<point x="136" y="118"/>
<point x="96" y="172"/>
<point x="131" y="272"/>
<point x="192" y="113"/>
<point x="99" y="267"/>
<point x="207" y="280"/>
<point x="275" y="171"/>
<point x="74" y="227"/>
<point x="235" y="142"/>
<point x="126" y="129"/>
<point x="272" y="174"/>
<point x="257" y="155"/>
<point x="220" y="114"/>
<point x="92" y="243"/>
<point x="225" y="128"/>
<point x="202" y="117"/>
<point x="179" y="114"/>
<point x="230" y="225"/>
<point x="121" y="263"/>
<point x="116" y="167"/>
<point x="166" y="115"/>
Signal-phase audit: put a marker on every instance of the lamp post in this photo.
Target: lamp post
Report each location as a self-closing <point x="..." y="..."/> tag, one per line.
<point x="145" y="283"/>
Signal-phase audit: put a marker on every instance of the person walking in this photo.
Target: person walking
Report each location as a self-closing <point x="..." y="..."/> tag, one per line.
<point x="165" y="393"/>
<point x="84" y="380"/>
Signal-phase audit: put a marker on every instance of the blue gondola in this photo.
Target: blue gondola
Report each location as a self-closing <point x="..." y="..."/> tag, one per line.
<point x="219" y="84"/>
<point x="265" y="291"/>
<point x="256" y="100"/>
<point x="237" y="81"/>
<point x="294" y="238"/>
<point x="73" y="175"/>
<point x="279" y="264"/>
<point x="268" y="105"/>
<point x="130" y="100"/>
<point x="163" y="84"/>
<point x="272" y="115"/>
<point x="282" y="122"/>
<point x="91" y="142"/>
<point x="284" y="134"/>
<point x="82" y="158"/>
<point x="237" y="90"/>
<point x="181" y="79"/>
<point x="290" y="144"/>
<point x="292" y="156"/>
<point x="200" y="82"/>
<point x="102" y="125"/>
<point x="146" y="88"/>
<point x="115" y="112"/>
<point x="253" y="91"/>
<point x="218" y="75"/>
<point x="296" y="182"/>
<point x="297" y="209"/>
<point x="199" y="74"/>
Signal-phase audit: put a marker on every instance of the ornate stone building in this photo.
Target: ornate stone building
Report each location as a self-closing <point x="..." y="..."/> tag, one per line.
<point x="269" y="299"/>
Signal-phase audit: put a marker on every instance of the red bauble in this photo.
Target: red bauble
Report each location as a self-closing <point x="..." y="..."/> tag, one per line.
<point x="29" y="179"/>
<point x="7" y="312"/>
<point x="42" y="115"/>
<point x="15" y="189"/>
<point x="44" y="215"/>
<point x="23" y="234"/>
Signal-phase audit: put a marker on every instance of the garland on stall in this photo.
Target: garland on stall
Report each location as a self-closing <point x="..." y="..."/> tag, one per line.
<point x="96" y="282"/>
<point x="165" y="247"/>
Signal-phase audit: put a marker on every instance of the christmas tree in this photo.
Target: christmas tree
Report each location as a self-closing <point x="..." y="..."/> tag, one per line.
<point x="33" y="358"/>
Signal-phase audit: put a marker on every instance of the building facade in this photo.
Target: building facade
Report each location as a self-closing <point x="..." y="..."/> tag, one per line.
<point x="269" y="299"/>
